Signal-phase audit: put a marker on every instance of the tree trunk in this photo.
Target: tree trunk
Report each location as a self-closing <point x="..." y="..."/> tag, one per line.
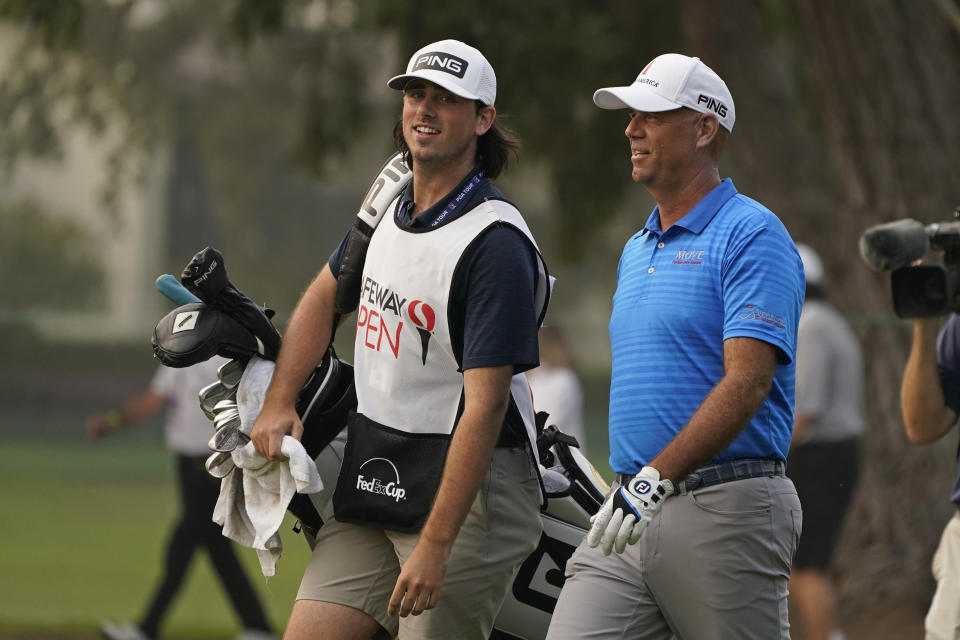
<point x="846" y="117"/>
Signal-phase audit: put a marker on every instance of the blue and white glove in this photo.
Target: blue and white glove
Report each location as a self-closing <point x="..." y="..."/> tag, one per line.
<point x="628" y="510"/>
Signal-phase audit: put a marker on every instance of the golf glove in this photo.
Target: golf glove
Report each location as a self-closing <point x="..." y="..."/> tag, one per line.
<point x="628" y="510"/>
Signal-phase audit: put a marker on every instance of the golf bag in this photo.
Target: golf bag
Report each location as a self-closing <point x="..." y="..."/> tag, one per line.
<point x="228" y="323"/>
<point x="574" y="491"/>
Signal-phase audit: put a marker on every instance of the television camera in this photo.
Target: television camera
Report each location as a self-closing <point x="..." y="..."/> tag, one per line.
<point x="918" y="290"/>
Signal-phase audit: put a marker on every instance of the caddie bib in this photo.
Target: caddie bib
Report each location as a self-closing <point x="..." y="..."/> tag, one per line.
<point x="409" y="385"/>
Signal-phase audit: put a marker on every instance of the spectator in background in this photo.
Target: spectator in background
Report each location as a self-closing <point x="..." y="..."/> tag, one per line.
<point x="187" y="434"/>
<point x="825" y="450"/>
<point x="556" y="386"/>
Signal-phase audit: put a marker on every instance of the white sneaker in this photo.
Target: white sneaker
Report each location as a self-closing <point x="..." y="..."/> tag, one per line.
<point x="255" y="634"/>
<point x="122" y="631"/>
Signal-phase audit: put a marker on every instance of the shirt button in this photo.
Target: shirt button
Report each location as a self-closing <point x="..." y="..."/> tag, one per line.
<point x="650" y="270"/>
<point x="660" y="245"/>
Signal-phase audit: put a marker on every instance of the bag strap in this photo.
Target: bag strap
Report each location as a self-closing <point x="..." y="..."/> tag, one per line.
<point x="390" y="181"/>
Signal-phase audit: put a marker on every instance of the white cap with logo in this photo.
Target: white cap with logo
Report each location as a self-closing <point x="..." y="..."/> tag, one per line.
<point x="671" y="81"/>
<point x="455" y="66"/>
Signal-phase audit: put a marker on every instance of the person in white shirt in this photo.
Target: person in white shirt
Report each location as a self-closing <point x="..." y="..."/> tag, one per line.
<point x="187" y="432"/>
<point x="556" y="385"/>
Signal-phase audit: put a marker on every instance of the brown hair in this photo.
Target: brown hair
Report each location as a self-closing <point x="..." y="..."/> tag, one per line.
<point x="493" y="148"/>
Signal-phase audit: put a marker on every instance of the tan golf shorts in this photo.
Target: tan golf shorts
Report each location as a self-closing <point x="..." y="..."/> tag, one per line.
<point x="358" y="566"/>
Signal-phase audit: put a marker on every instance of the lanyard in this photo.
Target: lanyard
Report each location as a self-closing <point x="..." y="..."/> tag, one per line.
<point x="458" y="200"/>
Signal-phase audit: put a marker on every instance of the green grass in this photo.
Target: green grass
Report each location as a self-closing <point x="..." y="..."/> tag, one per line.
<point x="85" y="525"/>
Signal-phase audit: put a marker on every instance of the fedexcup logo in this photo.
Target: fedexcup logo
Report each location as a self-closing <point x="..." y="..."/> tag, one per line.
<point x="439" y="61"/>
<point x="389" y="487"/>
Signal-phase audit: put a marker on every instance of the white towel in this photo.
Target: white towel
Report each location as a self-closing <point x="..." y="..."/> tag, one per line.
<point x="253" y="499"/>
<point x="554" y="482"/>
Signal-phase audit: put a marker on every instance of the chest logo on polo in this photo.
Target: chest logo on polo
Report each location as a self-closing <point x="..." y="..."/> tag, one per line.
<point x="692" y="256"/>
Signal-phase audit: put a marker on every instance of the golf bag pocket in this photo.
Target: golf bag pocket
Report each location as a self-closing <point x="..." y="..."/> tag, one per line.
<point x="389" y="478"/>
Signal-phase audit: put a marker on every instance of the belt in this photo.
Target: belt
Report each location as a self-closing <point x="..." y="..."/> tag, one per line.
<point x="724" y="472"/>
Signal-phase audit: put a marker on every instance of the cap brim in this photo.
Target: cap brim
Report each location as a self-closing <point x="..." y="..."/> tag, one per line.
<point x="636" y="97"/>
<point x="436" y="77"/>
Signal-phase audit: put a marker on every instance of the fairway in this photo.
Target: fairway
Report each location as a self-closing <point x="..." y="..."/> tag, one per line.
<point x="86" y="523"/>
<point x="84" y="534"/>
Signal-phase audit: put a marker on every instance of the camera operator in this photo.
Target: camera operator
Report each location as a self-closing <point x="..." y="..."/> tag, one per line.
<point x="930" y="401"/>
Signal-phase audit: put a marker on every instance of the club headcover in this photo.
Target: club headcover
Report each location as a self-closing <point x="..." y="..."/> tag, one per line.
<point x="196" y="332"/>
<point x="206" y="277"/>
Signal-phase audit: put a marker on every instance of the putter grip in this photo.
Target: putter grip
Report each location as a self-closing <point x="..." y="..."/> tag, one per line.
<point x="172" y="289"/>
<point x="393" y="177"/>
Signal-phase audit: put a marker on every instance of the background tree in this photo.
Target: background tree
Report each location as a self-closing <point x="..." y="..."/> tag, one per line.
<point x="848" y="121"/>
<point x="48" y="263"/>
<point x="251" y="119"/>
<point x="886" y="73"/>
<point x="845" y="120"/>
<point x="264" y="99"/>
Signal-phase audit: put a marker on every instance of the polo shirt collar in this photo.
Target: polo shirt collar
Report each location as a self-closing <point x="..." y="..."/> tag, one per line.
<point x="426" y="218"/>
<point x="700" y="216"/>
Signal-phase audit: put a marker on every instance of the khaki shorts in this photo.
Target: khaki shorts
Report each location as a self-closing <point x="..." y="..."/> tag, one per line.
<point x="943" y="617"/>
<point x="358" y="566"/>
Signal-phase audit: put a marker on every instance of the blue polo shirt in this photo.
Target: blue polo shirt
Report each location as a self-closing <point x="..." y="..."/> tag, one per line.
<point x="726" y="269"/>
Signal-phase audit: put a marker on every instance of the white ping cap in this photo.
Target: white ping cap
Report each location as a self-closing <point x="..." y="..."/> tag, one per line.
<point x="671" y="81"/>
<point x="455" y="66"/>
